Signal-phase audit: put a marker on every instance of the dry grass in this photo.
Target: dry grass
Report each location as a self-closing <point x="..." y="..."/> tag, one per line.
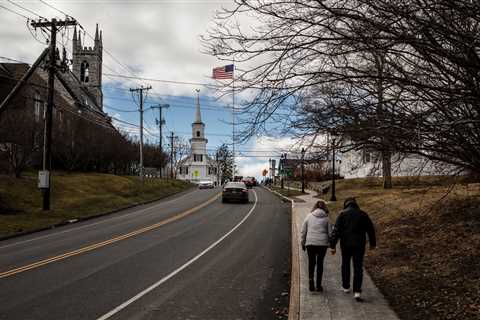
<point x="74" y="196"/>
<point x="428" y="256"/>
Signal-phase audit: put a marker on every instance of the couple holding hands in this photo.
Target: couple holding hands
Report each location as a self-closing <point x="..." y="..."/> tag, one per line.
<point x="351" y="229"/>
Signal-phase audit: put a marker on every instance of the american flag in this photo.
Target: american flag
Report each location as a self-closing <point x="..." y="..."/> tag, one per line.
<point x="225" y="72"/>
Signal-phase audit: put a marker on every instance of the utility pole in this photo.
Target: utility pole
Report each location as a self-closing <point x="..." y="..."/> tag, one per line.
<point x="140" y="90"/>
<point x="160" y="123"/>
<point x="44" y="175"/>
<point x="172" y="146"/>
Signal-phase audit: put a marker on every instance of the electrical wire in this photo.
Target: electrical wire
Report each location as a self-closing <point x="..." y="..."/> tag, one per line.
<point x="161" y="80"/>
<point x="26" y="9"/>
<point x="14" y="12"/>
<point x="52" y="7"/>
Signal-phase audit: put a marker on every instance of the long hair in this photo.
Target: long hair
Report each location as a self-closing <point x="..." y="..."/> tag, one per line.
<point x="320" y="204"/>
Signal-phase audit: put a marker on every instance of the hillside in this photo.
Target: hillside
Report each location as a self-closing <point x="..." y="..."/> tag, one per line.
<point x="74" y="196"/>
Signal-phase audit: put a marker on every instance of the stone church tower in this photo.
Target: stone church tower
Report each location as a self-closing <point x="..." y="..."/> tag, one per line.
<point x="87" y="64"/>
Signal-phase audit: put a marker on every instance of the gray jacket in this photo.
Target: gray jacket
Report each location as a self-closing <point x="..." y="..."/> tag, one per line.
<point x="316" y="229"/>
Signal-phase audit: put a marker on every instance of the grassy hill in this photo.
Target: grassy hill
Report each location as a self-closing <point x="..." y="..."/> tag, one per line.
<point x="74" y="196"/>
<point x="428" y="256"/>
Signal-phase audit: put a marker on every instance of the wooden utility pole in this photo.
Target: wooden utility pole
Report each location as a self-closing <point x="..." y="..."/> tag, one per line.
<point x="160" y="123"/>
<point x="172" y="137"/>
<point x="140" y="90"/>
<point x="44" y="175"/>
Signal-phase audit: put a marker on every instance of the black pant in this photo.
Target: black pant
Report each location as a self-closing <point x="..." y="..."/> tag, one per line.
<point x="356" y="254"/>
<point x="316" y="255"/>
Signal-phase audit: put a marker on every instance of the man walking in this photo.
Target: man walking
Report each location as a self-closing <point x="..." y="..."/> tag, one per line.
<point x="351" y="228"/>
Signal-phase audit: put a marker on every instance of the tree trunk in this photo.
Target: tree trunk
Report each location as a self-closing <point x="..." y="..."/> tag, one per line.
<point x="387" y="169"/>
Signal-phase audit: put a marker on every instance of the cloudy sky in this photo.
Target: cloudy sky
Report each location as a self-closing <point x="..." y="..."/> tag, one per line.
<point x="149" y="39"/>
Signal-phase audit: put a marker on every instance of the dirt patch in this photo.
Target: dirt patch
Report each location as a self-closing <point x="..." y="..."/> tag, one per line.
<point x="428" y="262"/>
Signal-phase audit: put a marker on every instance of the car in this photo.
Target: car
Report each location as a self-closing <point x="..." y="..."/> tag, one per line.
<point x="235" y="191"/>
<point x="248" y="182"/>
<point x="206" y="184"/>
<point x="237" y="178"/>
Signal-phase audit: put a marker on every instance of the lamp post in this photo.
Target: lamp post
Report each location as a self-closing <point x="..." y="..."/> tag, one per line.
<point x="283" y="159"/>
<point x="303" y="170"/>
<point x="333" y="197"/>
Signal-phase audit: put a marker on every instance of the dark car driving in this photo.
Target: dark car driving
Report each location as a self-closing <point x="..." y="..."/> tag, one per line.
<point x="235" y="191"/>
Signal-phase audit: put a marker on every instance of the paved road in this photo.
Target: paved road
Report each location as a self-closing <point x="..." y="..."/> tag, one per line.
<point x="161" y="261"/>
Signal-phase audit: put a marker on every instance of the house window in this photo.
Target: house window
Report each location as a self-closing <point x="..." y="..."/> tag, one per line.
<point x="198" y="133"/>
<point x="366" y="156"/>
<point x="197" y="157"/>
<point x="212" y="170"/>
<point x="84" y="74"/>
<point x="37" y="107"/>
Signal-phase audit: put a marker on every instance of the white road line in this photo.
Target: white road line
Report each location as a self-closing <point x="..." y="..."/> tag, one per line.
<point x="93" y="224"/>
<point x="175" y="272"/>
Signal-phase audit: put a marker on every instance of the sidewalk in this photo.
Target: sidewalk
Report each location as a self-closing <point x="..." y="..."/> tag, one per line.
<point x="333" y="304"/>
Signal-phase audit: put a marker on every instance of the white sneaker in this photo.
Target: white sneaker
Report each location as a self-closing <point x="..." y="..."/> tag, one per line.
<point x="345" y="290"/>
<point x="358" y="296"/>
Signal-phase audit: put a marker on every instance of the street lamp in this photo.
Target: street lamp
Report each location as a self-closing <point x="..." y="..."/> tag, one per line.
<point x="303" y="170"/>
<point x="333" y="197"/>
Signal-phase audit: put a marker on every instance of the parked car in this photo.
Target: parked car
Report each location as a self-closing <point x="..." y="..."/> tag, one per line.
<point x="206" y="184"/>
<point x="235" y="191"/>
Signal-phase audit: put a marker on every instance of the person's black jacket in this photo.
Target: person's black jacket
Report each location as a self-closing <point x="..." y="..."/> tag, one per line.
<point x="351" y="228"/>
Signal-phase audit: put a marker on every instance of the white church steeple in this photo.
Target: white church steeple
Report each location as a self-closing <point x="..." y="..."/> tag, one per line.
<point x="198" y="140"/>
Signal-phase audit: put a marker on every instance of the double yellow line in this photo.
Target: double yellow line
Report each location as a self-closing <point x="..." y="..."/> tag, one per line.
<point x="98" y="245"/>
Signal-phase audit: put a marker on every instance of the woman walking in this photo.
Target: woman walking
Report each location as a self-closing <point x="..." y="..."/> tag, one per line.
<point x="315" y="235"/>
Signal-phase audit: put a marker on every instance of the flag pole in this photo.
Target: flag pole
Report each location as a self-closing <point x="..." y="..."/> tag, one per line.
<point x="233" y="118"/>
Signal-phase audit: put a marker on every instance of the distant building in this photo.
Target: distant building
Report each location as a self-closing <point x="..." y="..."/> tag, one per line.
<point x="366" y="163"/>
<point x="198" y="165"/>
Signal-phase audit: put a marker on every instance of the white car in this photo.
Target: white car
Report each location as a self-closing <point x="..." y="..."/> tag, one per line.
<point x="206" y="184"/>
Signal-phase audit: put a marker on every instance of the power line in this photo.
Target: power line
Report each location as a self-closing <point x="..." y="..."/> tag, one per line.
<point x="26" y="9"/>
<point x="161" y="80"/>
<point x="14" y="12"/>
<point x="49" y="5"/>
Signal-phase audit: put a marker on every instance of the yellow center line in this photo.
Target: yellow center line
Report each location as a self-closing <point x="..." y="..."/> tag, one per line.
<point x="98" y="245"/>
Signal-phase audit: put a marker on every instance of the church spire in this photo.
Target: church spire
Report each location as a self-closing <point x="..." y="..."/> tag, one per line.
<point x="198" y="116"/>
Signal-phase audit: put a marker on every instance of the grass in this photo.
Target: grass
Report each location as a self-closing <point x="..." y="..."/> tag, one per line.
<point x="74" y="196"/>
<point x="291" y="193"/>
<point x="428" y="255"/>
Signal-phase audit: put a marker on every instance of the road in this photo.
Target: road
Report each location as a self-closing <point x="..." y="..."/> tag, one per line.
<point x="189" y="257"/>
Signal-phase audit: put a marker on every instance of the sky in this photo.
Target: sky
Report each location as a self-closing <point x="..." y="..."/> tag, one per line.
<point x="147" y="39"/>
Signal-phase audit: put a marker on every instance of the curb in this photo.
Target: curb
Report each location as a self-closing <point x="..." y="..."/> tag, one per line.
<point x="81" y="219"/>
<point x="294" y="303"/>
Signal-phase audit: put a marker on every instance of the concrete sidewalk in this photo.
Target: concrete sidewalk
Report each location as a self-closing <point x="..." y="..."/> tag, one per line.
<point x="333" y="304"/>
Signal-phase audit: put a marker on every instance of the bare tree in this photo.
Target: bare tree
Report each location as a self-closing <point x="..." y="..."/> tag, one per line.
<point x="397" y="76"/>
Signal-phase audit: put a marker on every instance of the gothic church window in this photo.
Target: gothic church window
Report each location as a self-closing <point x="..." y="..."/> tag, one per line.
<point x="198" y="133"/>
<point x="84" y="74"/>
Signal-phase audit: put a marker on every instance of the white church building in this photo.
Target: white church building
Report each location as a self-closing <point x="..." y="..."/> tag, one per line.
<point x="198" y="165"/>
